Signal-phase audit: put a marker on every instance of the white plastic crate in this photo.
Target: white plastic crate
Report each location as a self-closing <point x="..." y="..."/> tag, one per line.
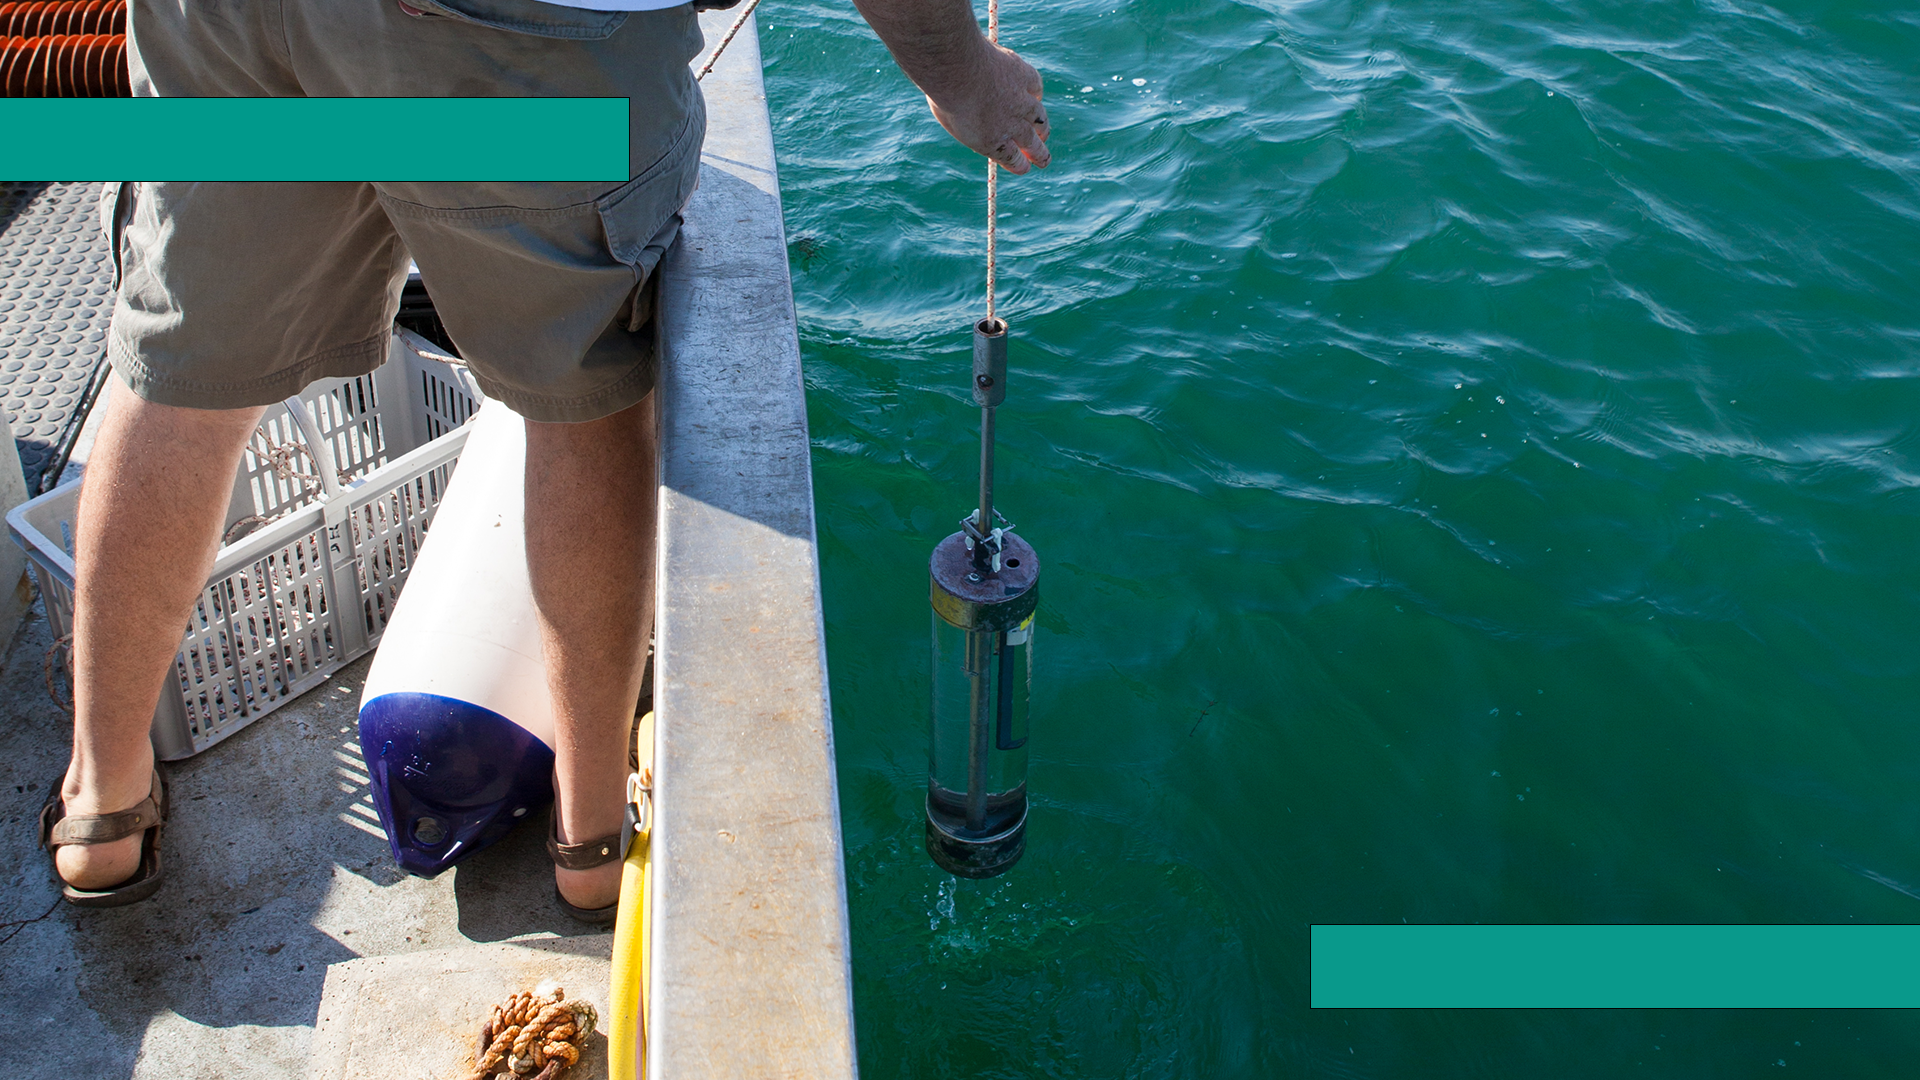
<point x="330" y="505"/>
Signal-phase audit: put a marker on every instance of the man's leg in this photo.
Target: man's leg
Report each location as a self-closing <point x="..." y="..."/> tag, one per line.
<point x="145" y="536"/>
<point x="590" y="549"/>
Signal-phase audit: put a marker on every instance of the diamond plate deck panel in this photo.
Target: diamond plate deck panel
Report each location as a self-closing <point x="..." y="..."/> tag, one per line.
<point x="55" y="297"/>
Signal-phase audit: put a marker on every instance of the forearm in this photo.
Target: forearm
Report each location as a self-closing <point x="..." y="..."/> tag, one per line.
<point x="937" y="43"/>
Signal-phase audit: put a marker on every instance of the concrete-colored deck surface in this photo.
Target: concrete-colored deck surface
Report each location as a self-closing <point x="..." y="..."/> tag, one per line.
<point x="275" y="869"/>
<point x="411" y="1015"/>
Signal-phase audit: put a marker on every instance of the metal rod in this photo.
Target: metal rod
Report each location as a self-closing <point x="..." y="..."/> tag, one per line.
<point x="980" y="727"/>
<point x="981" y="556"/>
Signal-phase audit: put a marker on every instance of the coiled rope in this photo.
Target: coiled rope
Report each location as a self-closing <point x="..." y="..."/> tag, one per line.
<point x="539" y="1030"/>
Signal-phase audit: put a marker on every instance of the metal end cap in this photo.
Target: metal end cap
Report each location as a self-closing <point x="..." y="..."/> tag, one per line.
<point x="976" y="858"/>
<point x="972" y="600"/>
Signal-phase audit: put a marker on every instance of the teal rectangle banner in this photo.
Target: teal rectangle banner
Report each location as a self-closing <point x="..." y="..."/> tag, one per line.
<point x="285" y="138"/>
<point x="1615" y="967"/>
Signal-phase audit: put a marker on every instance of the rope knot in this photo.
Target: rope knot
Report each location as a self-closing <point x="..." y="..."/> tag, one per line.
<point x="539" y="1031"/>
<point x="284" y="458"/>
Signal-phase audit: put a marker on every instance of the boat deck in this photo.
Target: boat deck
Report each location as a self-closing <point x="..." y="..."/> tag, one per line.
<point x="276" y="868"/>
<point x="285" y="942"/>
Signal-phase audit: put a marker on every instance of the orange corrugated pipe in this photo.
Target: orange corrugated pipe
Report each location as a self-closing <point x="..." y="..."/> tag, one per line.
<point x="65" y="65"/>
<point x="50" y="18"/>
<point x="64" y="48"/>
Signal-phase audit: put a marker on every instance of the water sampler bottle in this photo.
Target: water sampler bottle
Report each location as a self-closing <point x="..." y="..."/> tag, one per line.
<point x="984" y="590"/>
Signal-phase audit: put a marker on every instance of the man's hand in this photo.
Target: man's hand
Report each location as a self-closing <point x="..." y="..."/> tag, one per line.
<point x="1002" y="117"/>
<point x="985" y="96"/>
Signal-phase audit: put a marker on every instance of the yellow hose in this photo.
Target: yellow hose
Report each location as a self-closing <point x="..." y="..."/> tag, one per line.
<point x="627" y="996"/>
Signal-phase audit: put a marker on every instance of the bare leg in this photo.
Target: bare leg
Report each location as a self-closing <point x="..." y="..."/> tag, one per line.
<point x="146" y="532"/>
<point x="590" y="549"/>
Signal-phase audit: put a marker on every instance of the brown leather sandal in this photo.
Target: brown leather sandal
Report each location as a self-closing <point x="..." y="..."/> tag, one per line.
<point x="59" y="829"/>
<point x="584" y="856"/>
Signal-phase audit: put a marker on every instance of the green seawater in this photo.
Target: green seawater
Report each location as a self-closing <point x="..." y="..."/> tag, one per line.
<point x="1472" y="452"/>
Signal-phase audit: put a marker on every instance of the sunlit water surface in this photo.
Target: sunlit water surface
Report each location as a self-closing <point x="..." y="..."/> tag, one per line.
<point x="1472" y="452"/>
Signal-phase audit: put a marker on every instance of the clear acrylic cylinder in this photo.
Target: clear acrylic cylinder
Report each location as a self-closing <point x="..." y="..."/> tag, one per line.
<point x="977" y="785"/>
<point x="982" y="686"/>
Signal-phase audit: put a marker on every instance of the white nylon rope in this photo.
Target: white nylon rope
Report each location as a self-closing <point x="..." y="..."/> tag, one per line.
<point x="725" y="41"/>
<point x="993" y="171"/>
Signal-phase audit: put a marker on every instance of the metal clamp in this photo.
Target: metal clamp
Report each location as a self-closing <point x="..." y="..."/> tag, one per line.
<point x="996" y="540"/>
<point x="639" y="810"/>
<point x="971" y="523"/>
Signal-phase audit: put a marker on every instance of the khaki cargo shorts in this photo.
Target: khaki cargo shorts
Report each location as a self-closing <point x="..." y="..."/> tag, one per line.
<point x="239" y="294"/>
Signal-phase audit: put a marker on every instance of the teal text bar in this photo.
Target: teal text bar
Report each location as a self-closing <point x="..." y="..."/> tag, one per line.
<point x="1614" y="967"/>
<point x="386" y="139"/>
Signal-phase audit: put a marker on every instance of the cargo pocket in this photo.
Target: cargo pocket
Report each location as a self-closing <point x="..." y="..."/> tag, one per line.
<point x="642" y="216"/>
<point x="116" y="206"/>
<point x="528" y="17"/>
